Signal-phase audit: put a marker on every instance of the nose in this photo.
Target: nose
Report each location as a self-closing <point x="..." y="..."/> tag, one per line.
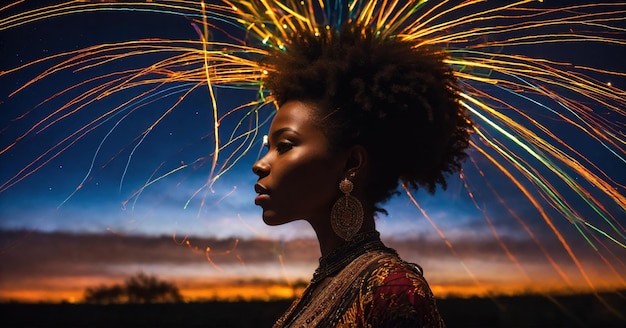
<point x="261" y="168"/>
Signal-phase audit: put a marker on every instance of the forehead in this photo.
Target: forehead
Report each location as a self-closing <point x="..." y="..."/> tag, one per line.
<point x="295" y="115"/>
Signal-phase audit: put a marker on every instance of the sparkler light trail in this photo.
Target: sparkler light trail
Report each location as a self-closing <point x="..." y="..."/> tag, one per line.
<point x="554" y="128"/>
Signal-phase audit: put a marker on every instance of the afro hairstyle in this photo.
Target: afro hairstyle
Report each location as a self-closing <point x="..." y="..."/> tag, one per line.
<point x="396" y="98"/>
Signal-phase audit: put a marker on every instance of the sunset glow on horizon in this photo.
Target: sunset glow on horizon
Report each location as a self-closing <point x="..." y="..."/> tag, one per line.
<point x="254" y="291"/>
<point x="64" y="271"/>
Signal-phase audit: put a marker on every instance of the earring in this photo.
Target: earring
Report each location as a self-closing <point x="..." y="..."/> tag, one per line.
<point x="346" y="216"/>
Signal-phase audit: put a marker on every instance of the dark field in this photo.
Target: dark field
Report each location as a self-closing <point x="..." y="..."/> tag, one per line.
<point x="519" y="311"/>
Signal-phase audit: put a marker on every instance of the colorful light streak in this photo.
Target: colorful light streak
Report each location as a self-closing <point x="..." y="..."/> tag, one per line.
<point x="513" y="95"/>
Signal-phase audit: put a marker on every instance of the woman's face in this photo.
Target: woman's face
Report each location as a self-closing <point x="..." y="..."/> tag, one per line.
<point x="299" y="176"/>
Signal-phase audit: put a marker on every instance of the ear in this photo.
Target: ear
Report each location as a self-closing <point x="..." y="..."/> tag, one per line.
<point x="356" y="161"/>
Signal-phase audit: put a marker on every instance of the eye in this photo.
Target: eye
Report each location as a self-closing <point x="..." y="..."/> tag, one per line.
<point x="283" y="146"/>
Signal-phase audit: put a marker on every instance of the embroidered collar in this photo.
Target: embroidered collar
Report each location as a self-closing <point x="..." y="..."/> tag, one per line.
<point x="347" y="252"/>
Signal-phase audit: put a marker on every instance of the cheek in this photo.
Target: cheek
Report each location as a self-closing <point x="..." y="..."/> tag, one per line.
<point x="309" y="181"/>
<point x="312" y="184"/>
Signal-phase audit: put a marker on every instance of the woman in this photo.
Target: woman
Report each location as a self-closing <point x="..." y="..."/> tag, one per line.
<point x="357" y="116"/>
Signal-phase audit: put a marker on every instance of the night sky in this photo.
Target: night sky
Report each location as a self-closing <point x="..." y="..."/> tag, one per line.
<point x="83" y="214"/>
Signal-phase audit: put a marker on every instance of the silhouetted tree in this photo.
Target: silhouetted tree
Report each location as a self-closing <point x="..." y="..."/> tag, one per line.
<point x="148" y="289"/>
<point x="105" y="295"/>
<point x="140" y="288"/>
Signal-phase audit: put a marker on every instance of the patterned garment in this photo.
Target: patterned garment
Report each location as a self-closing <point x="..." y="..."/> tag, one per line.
<point x="377" y="289"/>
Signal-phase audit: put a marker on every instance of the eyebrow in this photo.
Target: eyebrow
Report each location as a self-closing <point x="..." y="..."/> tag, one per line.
<point x="278" y="132"/>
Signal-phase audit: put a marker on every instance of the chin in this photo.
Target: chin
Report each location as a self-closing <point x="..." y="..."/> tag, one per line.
<point x="272" y="223"/>
<point x="271" y="219"/>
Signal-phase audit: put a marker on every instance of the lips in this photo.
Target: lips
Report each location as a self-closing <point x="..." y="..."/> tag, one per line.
<point x="260" y="189"/>
<point x="263" y="196"/>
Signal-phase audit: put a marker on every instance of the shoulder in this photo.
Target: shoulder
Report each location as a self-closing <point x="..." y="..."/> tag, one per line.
<point x="398" y="295"/>
<point x="390" y="273"/>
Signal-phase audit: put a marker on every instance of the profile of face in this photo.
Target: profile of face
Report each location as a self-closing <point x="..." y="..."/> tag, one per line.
<point x="299" y="175"/>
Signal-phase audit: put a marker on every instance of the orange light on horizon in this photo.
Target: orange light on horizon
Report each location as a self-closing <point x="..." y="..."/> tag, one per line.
<point x="243" y="292"/>
<point x="271" y="291"/>
<point x="42" y="296"/>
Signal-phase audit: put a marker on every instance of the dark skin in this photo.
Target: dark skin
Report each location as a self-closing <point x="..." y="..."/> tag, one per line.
<point x="299" y="176"/>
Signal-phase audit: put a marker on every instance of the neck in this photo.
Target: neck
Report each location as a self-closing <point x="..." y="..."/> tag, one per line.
<point x="329" y="241"/>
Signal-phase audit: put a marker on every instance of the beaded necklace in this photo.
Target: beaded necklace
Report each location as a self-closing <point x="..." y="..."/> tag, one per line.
<point x="346" y="253"/>
<point x="331" y="265"/>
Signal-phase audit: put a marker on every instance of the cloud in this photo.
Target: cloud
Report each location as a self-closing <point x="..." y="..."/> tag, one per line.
<point x="37" y="261"/>
<point x="59" y="253"/>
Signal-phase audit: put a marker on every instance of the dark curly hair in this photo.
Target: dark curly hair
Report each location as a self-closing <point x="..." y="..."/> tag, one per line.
<point x="397" y="99"/>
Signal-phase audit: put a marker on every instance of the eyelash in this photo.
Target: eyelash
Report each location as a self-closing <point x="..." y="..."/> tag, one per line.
<point x="283" y="146"/>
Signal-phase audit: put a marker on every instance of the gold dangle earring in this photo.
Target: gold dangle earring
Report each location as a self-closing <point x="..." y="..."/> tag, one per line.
<point x="346" y="216"/>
